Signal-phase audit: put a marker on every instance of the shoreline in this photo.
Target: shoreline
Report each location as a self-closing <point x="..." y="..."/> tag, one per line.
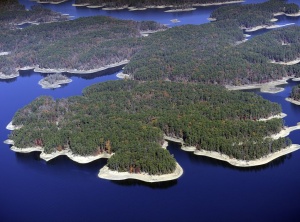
<point x="76" y="71"/>
<point x="269" y="87"/>
<point x="106" y="173"/>
<point x="250" y="163"/>
<point x="243" y="163"/>
<point x="218" y="3"/>
<point x="285" y="132"/>
<point x="293" y="62"/>
<point x="4" y="53"/>
<point x="279" y="26"/>
<point x="279" y="116"/>
<point x="293" y="101"/>
<point x="71" y="71"/>
<point x="121" y="75"/>
<point x="181" y="10"/>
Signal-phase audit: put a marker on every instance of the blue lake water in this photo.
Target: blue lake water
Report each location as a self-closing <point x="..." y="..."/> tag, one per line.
<point x="209" y="190"/>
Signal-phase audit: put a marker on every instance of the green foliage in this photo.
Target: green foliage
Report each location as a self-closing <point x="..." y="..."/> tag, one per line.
<point x="99" y="41"/>
<point x="251" y="15"/>
<point x="130" y="119"/>
<point x="189" y="53"/>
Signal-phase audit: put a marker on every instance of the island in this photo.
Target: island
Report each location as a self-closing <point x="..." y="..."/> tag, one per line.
<point x="129" y="121"/>
<point x="54" y="81"/>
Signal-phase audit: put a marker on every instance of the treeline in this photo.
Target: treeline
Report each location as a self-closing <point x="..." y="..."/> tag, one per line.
<point x="295" y="93"/>
<point x="251" y="15"/>
<point x="53" y="78"/>
<point x="145" y="3"/>
<point x="189" y="53"/>
<point x="99" y="41"/>
<point x="130" y="118"/>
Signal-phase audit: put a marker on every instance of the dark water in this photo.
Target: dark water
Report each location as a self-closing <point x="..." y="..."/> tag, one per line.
<point x="209" y="190"/>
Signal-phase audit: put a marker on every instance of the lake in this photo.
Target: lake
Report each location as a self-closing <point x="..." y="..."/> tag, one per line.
<point x="209" y="190"/>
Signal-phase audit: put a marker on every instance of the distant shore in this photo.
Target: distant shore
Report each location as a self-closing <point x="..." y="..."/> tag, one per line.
<point x="105" y="172"/>
<point x="132" y="8"/>
<point x="73" y="71"/>
<point x="269" y="87"/>
<point x="53" y="2"/>
<point x="291" y="15"/>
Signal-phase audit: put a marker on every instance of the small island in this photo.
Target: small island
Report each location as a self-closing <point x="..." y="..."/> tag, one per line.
<point x="53" y="81"/>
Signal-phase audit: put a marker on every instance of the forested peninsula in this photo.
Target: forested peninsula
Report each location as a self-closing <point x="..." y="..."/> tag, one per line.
<point x="131" y="120"/>
<point x="190" y="54"/>
<point x="101" y="42"/>
<point x="255" y="16"/>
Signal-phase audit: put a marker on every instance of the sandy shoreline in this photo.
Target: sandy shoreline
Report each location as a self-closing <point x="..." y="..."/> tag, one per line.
<point x="243" y="163"/>
<point x="106" y="173"/>
<point x="53" y="3"/>
<point x="293" y="101"/>
<point x="278" y="26"/>
<point x="4" y="53"/>
<point x="76" y="71"/>
<point x="57" y="84"/>
<point x="10" y="126"/>
<point x="250" y="163"/>
<point x="181" y="10"/>
<point x="285" y="132"/>
<point x="269" y="87"/>
<point x="72" y="71"/>
<point x="289" y="63"/>
<point x="279" y="116"/>
<point x="218" y="3"/>
<point x="11" y="76"/>
<point x="121" y="75"/>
